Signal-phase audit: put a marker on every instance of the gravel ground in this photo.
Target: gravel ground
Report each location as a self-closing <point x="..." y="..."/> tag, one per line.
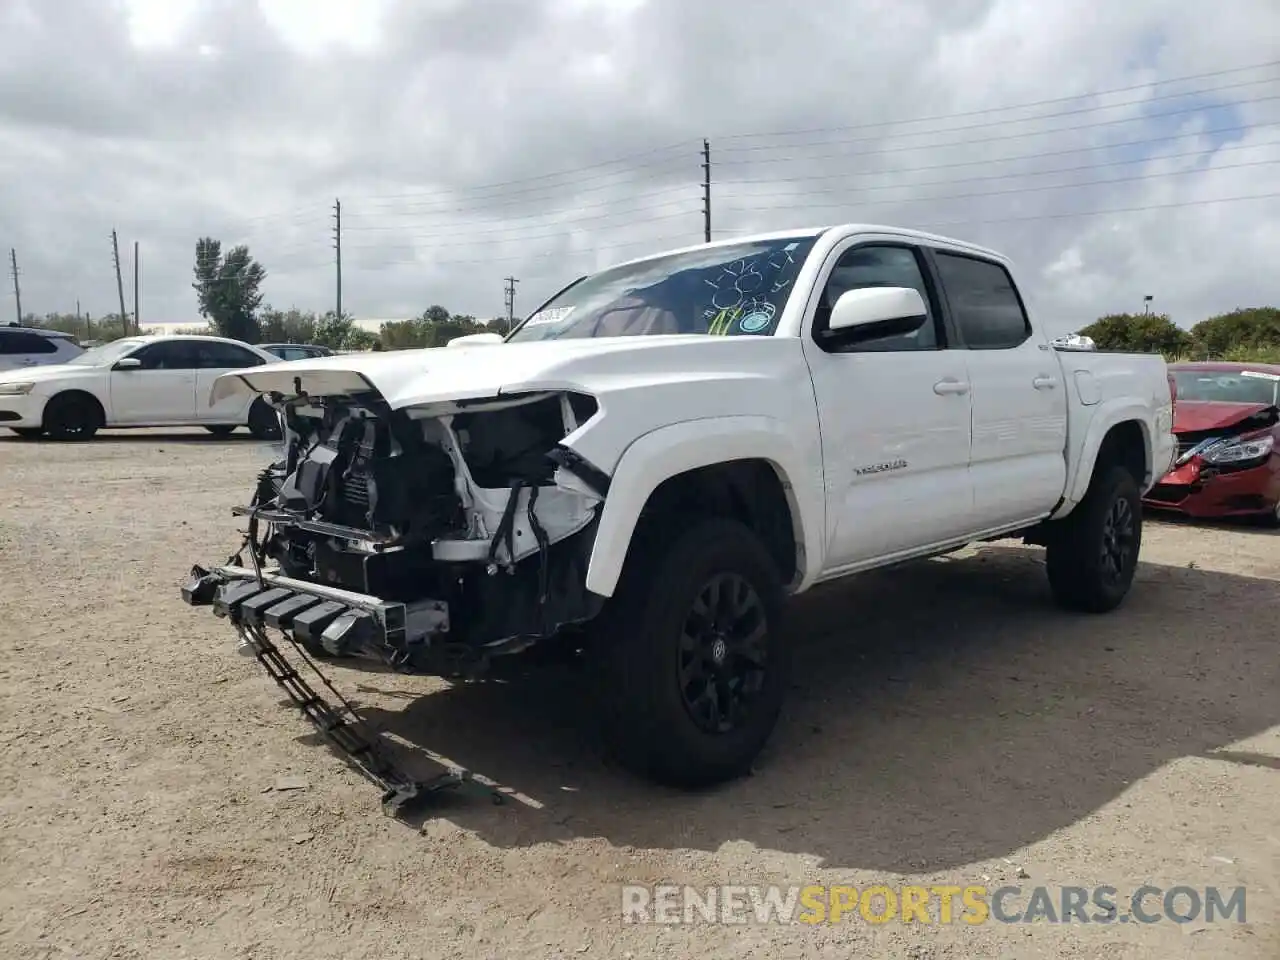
<point x="948" y="726"/>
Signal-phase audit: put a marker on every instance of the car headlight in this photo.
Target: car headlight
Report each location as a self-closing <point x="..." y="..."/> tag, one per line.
<point x="15" y="389"/>
<point x="1239" y="451"/>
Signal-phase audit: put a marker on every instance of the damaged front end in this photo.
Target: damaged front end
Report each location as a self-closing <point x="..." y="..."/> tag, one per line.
<point x="429" y="540"/>
<point x="432" y="539"/>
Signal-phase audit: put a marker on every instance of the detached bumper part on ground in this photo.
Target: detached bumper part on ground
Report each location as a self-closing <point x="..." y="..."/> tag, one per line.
<point x="336" y="622"/>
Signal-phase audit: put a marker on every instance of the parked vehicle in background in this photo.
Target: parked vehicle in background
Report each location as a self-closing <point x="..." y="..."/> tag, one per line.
<point x="296" y="351"/>
<point x="663" y="452"/>
<point x="22" y="347"/>
<point x="149" y="381"/>
<point x="1227" y="423"/>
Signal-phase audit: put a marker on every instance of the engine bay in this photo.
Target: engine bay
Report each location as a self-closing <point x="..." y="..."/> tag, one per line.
<point x="476" y="507"/>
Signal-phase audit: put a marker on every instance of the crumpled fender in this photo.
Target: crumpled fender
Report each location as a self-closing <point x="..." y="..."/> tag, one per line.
<point x="677" y="448"/>
<point x="1102" y="418"/>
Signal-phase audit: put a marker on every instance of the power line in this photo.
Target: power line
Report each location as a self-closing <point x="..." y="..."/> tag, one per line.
<point x="115" y="256"/>
<point x="337" y="246"/>
<point x="17" y="289"/>
<point x="1017" y="158"/>
<point x="137" y="317"/>
<point x="1026" y="105"/>
<point x="510" y="299"/>
<point x="1144" y="118"/>
<point x="664" y="240"/>
<point x="799" y="200"/>
<point x="859" y="188"/>
<point x="801" y="203"/>
<point x="414" y="210"/>
<point x="706" y="190"/>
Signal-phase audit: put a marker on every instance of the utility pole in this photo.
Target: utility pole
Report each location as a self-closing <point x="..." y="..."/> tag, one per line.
<point x="511" y="302"/>
<point x="137" y="318"/>
<point x="17" y="290"/>
<point x="337" y="246"/>
<point x="706" y="191"/>
<point x="115" y="255"/>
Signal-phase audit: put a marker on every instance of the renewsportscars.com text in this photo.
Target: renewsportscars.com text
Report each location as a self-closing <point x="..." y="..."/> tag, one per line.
<point x="930" y="904"/>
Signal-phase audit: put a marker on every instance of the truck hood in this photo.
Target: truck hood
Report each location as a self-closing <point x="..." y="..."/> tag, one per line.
<point x="409" y="378"/>
<point x="1194" y="416"/>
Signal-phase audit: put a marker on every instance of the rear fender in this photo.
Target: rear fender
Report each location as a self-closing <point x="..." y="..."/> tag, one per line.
<point x="678" y="448"/>
<point x="1102" y="418"/>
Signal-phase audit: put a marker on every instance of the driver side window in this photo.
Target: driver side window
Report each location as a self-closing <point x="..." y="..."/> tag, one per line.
<point x="879" y="265"/>
<point x="171" y="355"/>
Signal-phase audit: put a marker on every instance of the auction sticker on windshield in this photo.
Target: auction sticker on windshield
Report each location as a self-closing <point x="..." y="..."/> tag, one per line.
<point x="552" y="315"/>
<point x="760" y="316"/>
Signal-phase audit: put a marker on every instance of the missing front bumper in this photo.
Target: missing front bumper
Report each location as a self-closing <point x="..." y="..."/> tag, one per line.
<point x="339" y="622"/>
<point x="324" y="619"/>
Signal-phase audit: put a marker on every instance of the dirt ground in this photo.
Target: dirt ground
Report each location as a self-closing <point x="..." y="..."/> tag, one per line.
<point x="947" y="726"/>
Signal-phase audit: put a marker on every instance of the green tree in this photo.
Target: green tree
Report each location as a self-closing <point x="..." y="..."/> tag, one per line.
<point x="107" y="327"/>
<point x="287" y="326"/>
<point x="335" y="331"/>
<point x="403" y="335"/>
<point x="361" y="339"/>
<point x="1243" y="329"/>
<point x="1138" y="333"/>
<point x="228" y="289"/>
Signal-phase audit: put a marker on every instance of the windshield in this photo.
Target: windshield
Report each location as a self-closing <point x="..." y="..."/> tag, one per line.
<point x="105" y="354"/>
<point x="725" y="291"/>
<point x="1231" y="386"/>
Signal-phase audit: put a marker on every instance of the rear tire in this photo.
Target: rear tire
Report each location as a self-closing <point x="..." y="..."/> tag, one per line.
<point x="690" y="702"/>
<point x="1093" y="551"/>
<point x="72" y="417"/>
<point x="221" y="430"/>
<point x="264" y="423"/>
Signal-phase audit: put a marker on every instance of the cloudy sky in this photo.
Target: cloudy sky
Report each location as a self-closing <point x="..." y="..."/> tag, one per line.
<point x="1113" y="149"/>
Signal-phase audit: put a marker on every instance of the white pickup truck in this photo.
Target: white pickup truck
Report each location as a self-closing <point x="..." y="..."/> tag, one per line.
<point x="653" y="461"/>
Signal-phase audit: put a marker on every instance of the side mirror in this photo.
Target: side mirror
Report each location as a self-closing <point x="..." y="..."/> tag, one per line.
<point x="475" y="339"/>
<point x="127" y="363"/>
<point x="873" y="312"/>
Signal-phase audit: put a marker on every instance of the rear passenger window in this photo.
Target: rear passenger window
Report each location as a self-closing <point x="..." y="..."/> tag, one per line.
<point x="984" y="303"/>
<point x="21" y="342"/>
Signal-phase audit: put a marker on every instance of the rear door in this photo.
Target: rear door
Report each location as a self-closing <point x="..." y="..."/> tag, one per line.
<point x="1018" y="455"/>
<point x="160" y="391"/>
<point x="215" y="359"/>
<point x="894" y="416"/>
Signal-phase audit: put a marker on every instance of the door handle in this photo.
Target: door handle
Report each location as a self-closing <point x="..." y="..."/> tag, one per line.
<point x="1044" y="383"/>
<point x="946" y="387"/>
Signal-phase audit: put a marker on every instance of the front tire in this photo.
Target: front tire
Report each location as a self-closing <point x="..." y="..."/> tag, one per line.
<point x="1093" y="551"/>
<point x="694" y="665"/>
<point x="264" y="423"/>
<point x="70" y="416"/>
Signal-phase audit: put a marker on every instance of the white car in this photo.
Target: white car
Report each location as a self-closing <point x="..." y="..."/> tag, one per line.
<point x="666" y="450"/>
<point x="22" y="347"/>
<point x="150" y="381"/>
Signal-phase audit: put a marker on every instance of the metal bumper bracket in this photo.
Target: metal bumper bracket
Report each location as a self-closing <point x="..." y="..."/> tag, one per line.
<point x="254" y="602"/>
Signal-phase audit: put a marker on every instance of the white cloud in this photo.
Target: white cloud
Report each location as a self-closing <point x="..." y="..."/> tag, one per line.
<point x="474" y="140"/>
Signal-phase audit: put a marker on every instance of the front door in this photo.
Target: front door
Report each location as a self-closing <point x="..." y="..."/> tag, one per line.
<point x="1018" y="460"/>
<point x="895" y="418"/>
<point x="162" y="390"/>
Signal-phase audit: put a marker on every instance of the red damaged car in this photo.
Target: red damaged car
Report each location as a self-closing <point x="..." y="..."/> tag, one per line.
<point x="1227" y="423"/>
